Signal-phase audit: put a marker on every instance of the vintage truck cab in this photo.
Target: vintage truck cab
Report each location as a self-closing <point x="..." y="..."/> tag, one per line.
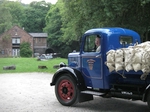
<point x="87" y="74"/>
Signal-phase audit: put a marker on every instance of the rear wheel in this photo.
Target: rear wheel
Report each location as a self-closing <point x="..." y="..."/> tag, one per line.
<point x="66" y="90"/>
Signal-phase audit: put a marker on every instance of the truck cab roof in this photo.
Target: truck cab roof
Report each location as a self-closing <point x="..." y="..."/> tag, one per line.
<point x="111" y="30"/>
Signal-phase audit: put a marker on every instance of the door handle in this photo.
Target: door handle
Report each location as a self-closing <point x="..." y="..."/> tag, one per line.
<point x="98" y="56"/>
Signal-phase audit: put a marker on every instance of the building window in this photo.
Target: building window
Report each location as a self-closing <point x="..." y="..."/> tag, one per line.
<point x="15" y="52"/>
<point x="3" y="52"/>
<point x="16" y="41"/>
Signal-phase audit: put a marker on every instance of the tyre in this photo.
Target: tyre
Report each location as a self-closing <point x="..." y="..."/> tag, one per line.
<point x="66" y="90"/>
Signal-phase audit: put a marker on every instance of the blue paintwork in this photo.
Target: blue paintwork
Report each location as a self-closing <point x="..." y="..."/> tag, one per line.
<point x="99" y="76"/>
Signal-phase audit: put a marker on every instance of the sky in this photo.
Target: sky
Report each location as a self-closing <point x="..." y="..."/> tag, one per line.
<point x="29" y="1"/>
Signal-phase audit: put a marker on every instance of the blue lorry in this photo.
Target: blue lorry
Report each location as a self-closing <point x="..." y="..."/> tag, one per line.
<point x="86" y="73"/>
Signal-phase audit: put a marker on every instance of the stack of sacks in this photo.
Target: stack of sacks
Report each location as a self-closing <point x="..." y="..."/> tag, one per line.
<point x="132" y="58"/>
<point x="145" y="51"/>
<point x="111" y="60"/>
<point x="145" y="66"/>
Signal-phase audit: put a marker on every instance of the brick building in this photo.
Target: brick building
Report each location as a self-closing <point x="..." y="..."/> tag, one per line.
<point x="39" y="42"/>
<point x="10" y="41"/>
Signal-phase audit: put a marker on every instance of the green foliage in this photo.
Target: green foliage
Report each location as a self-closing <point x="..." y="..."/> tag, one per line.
<point x="16" y="11"/>
<point x="84" y="15"/>
<point x="25" y="50"/>
<point x="31" y="17"/>
<point x="67" y="20"/>
<point x="24" y="65"/>
<point x="5" y="18"/>
<point x="144" y="2"/>
<point x="55" y="32"/>
<point x="53" y="21"/>
<point x="34" y="16"/>
<point x="6" y="38"/>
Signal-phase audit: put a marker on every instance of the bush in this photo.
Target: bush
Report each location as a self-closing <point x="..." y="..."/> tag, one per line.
<point x="25" y="50"/>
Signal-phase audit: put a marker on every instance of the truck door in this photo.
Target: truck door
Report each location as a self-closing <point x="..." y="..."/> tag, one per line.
<point x="92" y="62"/>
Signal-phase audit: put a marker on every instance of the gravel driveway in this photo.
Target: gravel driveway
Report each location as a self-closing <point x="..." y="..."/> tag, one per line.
<point x="31" y="92"/>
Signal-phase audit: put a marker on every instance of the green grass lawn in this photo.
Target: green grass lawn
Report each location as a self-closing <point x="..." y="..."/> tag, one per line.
<point x="24" y="65"/>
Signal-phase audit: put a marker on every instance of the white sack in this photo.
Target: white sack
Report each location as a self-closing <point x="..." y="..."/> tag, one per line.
<point x="145" y="62"/>
<point x="145" y="57"/>
<point x="118" y="56"/>
<point x="119" y="66"/>
<point x="136" y="66"/>
<point x="110" y="66"/>
<point x="137" y="58"/>
<point x="145" y="68"/>
<point x="111" y="56"/>
<point x="128" y="67"/>
<point x="128" y="55"/>
<point x="143" y="45"/>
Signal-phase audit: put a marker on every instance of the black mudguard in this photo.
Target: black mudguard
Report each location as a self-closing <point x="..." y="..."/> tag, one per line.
<point x="76" y="74"/>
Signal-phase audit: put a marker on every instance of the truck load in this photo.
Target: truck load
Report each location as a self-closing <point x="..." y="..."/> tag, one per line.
<point x="111" y="62"/>
<point x="131" y="58"/>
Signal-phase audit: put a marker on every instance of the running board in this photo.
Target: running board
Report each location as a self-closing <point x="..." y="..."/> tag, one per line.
<point x="92" y="93"/>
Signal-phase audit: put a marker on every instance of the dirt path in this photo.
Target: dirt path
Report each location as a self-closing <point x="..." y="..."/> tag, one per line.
<point x="31" y="92"/>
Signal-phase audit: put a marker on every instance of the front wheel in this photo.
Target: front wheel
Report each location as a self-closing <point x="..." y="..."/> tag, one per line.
<point x="66" y="90"/>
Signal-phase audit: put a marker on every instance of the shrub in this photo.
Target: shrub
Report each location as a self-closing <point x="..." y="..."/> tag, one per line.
<point x="25" y="50"/>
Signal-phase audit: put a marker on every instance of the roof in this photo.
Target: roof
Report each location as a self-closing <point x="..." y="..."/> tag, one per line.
<point x="109" y="30"/>
<point x="38" y="34"/>
<point x="15" y="29"/>
<point x="112" y="31"/>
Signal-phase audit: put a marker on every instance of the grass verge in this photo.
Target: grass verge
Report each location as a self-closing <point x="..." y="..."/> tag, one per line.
<point x="24" y="65"/>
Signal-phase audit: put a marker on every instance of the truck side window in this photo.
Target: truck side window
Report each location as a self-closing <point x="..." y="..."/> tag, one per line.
<point x="90" y="43"/>
<point x="126" y="40"/>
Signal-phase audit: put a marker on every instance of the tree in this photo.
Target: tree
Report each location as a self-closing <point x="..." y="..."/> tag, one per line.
<point x="53" y="25"/>
<point x="54" y="29"/>
<point x="16" y="11"/>
<point x="5" y="19"/>
<point x="104" y="13"/>
<point x="77" y="16"/>
<point x="25" y="50"/>
<point x="34" y="20"/>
